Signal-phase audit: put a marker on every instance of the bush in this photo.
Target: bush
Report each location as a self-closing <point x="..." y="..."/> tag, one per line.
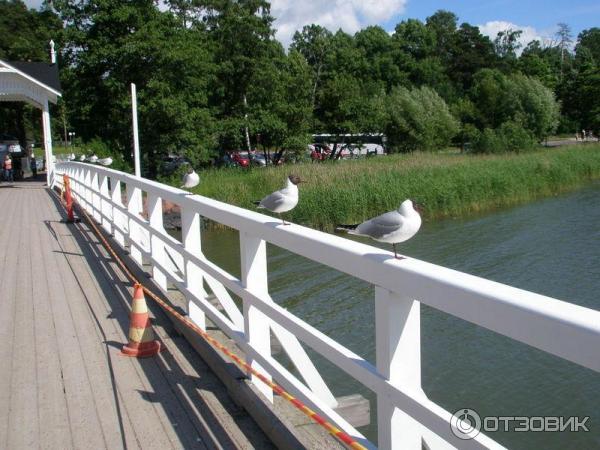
<point x="102" y="150"/>
<point x="418" y="119"/>
<point x="509" y="137"/>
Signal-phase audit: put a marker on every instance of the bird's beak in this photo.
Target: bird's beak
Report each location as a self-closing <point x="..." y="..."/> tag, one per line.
<point x="419" y="207"/>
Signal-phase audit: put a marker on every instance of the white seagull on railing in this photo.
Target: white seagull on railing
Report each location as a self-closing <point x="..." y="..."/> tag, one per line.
<point x="93" y="159"/>
<point x="190" y="179"/>
<point x="82" y="158"/>
<point x="282" y="200"/>
<point x="105" y="161"/>
<point x="392" y="227"/>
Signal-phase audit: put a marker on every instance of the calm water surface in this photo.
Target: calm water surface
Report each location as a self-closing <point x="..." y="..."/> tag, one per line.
<point x="551" y="247"/>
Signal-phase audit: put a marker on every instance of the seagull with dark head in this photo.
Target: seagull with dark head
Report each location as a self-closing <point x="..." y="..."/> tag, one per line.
<point x="282" y="200"/>
<point x="392" y="227"/>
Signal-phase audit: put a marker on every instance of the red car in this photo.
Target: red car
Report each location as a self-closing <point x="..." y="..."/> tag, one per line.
<point x="240" y="160"/>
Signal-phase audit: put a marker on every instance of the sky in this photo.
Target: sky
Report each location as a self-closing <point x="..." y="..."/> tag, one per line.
<point x="537" y="18"/>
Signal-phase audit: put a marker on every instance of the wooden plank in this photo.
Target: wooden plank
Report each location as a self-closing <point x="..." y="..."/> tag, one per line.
<point x="23" y="420"/>
<point x="51" y="402"/>
<point x="85" y="303"/>
<point x="84" y="423"/>
<point x="8" y="248"/>
<point x="63" y="313"/>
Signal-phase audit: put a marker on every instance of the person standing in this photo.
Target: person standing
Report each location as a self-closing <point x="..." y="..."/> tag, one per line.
<point x="8" y="169"/>
<point x="33" y="166"/>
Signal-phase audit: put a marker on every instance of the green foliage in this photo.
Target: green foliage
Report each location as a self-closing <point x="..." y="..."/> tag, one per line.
<point x="210" y="75"/>
<point x="524" y="100"/>
<point x="449" y="184"/>
<point x="418" y="119"/>
<point x="509" y="137"/>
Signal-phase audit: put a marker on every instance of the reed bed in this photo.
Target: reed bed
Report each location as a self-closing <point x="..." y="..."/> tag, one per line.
<point x="448" y="185"/>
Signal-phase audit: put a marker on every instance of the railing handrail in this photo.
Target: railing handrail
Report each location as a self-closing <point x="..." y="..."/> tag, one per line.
<point x="542" y="317"/>
<point x="566" y="330"/>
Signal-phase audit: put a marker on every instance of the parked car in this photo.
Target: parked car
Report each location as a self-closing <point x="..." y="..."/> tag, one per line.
<point x="172" y="163"/>
<point x="240" y="159"/>
<point x="258" y="159"/>
<point x="319" y="152"/>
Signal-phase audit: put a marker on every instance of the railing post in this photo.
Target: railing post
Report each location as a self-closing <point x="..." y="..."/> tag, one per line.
<point x="134" y="206"/>
<point x="87" y="183"/>
<point x="253" y="253"/>
<point x="398" y="353"/>
<point x="121" y="222"/>
<point x="96" y="201"/>
<point x="194" y="279"/>
<point x="105" y="205"/>
<point x="157" y="248"/>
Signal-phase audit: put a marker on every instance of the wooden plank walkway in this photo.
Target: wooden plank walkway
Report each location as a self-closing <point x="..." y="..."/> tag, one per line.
<point x="63" y="317"/>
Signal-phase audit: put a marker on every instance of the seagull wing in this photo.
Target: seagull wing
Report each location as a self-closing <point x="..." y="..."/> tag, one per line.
<point x="381" y="226"/>
<point x="273" y="201"/>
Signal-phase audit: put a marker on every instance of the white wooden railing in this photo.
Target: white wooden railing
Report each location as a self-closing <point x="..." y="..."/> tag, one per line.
<point x="407" y="419"/>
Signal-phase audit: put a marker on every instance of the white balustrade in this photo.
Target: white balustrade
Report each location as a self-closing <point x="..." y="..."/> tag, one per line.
<point x="407" y="419"/>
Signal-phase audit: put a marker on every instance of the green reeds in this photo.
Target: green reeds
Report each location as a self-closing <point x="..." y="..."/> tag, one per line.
<point x="447" y="184"/>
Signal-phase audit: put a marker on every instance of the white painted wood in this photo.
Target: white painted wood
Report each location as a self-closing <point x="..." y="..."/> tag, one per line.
<point x="96" y="206"/>
<point x="157" y="248"/>
<point x="253" y="254"/>
<point x="398" y="353"/>
<point x="136" y="139"/>
<point x="134" y="208"/>
<point x="557" y="327"/>
<point x="47" y="131"/>
<point x="120" y="219"/>
<point x="105" y="205"/>
<point x="194" y="277"/>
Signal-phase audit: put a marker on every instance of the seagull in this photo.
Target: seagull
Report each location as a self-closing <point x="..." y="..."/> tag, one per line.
<point x="190" y="179"/>
<point x="105" y="161"/>
<point x="93" y="159"/>
<point x="392" y="227"/>
<point x="282" y="200"/>
<point x="82" y="158"/>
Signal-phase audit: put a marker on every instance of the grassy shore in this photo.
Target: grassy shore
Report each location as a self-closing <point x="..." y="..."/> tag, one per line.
<point x="448" y="185"/>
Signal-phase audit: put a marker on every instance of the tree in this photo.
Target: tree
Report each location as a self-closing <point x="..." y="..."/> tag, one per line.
<point x="444" y="25"/>
<point x="506" y="46"/>
<point x="418" y="119"/>
<point x="314" y="43"/>
<point x="26" y="34"/>
<point x="589" y="39"/>
<point x="471" y="52"/>
<point x="565" y="39"/>
<point x="111" y="44"/>
<point x="538" y="109"/>
<point x="536" y="61"/>
<point x="414" y="38"/>
<point x="280" y="95"/>
<point x="519" y="99"/>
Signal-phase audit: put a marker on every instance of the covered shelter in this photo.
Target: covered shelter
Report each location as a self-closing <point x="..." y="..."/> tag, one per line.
<point x="36" y="83"/>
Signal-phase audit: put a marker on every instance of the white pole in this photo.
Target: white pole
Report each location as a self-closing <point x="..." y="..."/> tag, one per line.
<point x="48" y="143"/>
<point x="136" y="141"/>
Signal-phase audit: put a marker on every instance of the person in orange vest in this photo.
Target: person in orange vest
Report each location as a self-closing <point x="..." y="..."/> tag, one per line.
<point x="8" y="170"/>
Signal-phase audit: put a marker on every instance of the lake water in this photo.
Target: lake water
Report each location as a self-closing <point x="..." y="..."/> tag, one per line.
<point x="551" y="247"/>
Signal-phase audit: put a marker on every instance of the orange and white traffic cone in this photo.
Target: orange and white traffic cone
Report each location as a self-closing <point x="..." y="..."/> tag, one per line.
<point x="141" y="337"/>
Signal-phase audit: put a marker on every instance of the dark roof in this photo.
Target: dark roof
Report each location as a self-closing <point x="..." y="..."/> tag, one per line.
<point x="43" y="72"/>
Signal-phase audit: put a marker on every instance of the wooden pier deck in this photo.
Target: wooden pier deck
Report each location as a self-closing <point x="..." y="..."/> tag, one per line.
<point x="63" y="317"/>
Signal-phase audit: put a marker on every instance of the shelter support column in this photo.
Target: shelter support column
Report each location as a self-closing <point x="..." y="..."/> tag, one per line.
<point x="48" y="143"/>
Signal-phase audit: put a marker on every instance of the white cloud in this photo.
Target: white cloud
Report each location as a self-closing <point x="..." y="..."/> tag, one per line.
<point x="349" y="15"/>
<point x="492" y="28"/>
